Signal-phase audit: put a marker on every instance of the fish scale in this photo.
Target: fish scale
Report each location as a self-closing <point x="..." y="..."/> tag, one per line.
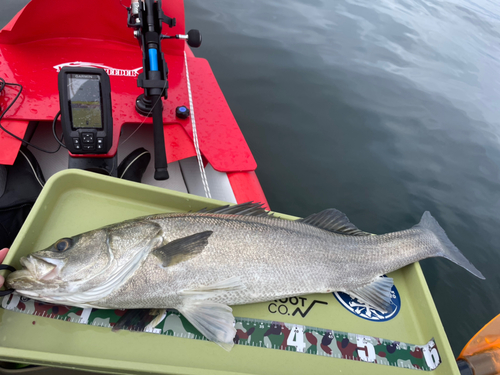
<point x="276" y="258"/>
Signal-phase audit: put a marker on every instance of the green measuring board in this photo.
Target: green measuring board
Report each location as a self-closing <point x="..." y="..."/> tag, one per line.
<point x="255" y="332"/>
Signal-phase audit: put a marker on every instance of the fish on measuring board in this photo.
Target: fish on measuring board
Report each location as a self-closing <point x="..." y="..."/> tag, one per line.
<point x="200" y="263"/>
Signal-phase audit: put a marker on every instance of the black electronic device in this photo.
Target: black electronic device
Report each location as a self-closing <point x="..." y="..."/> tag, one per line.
<point x="86" y="115"/>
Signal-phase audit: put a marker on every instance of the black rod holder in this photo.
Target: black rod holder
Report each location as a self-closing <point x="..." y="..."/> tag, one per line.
<point x="161" y="169"/>
<point x="147" y="19"/>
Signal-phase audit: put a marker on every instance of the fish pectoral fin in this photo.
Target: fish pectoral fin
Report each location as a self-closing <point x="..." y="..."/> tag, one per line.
<point x="377" y="294"/>
<point x="214" y="320"/>
<point x="182" y="249"/>
<point x="212" y="290"/>
<point x="334" y="221"/>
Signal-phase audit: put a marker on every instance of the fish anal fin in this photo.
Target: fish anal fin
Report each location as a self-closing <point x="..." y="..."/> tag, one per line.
<point x="182" y="249"/>
<point x="214" y="320"/>
<point x="377" y="294"/>
<point x="335" y="221"/>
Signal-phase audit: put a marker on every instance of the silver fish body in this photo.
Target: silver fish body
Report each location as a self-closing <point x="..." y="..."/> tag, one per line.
<point x="279" y="259"/>
<point x="200" y="263"/>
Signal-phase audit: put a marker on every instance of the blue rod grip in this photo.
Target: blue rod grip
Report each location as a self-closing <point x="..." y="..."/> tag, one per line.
<point x="153" y="59"/>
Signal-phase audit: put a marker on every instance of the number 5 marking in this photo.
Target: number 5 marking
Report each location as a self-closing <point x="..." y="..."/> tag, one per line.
<point x="366" y="350"/>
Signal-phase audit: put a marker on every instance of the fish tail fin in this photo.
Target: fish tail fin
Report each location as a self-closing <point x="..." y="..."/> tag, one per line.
<point x="448" y="250"/>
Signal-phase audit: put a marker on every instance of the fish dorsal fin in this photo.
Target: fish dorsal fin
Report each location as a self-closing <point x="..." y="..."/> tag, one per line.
<point x="244" y="209"/>
<point x="214" y="320"/>
<point x="182" y="249"/>
<point x="334" y="221"/>
<point x="377" y="294"/>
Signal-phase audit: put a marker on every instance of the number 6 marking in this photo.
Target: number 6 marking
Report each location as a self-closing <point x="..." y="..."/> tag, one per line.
<point x="431" y="355"/>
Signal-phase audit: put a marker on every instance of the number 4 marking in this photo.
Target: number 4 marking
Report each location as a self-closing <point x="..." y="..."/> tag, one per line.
<point x="296" y="338"/>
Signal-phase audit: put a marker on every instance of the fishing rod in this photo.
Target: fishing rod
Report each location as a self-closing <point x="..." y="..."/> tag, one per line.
<point x="146" y="17"/>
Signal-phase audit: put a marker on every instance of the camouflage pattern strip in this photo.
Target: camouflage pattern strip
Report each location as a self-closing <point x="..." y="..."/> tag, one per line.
<point x="255" y="332"/>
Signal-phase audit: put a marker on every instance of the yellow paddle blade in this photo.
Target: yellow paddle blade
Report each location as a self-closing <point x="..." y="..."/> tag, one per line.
<point x="482" y="352"/>
<point x="486" y="338"/>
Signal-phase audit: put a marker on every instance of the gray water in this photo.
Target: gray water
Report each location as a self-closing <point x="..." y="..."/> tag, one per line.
<point x="382" y="109"/>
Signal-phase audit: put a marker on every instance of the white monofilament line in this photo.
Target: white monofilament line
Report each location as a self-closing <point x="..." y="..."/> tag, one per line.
<point x="195" y="134"/>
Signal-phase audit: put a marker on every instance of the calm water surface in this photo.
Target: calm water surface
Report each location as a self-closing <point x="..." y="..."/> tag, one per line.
<point x="382" y="109"/>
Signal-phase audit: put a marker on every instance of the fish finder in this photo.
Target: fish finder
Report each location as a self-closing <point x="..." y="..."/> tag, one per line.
<point x="86" y="117"/>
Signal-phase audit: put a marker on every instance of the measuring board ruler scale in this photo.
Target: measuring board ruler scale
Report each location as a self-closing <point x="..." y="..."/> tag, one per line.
<point x="255" y="332"/>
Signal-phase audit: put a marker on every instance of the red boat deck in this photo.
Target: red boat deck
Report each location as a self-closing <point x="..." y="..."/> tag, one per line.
<point x="34" y="48"/>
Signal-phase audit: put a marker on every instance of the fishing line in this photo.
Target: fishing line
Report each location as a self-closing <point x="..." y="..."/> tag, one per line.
<point x="124" y="6"/>
<point x="132" y="162"/>
<point x="195" y="134"/>
<point x="149" y="113"/>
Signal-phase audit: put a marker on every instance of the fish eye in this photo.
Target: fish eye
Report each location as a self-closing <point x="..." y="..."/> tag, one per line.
<point x="63" y="244"/>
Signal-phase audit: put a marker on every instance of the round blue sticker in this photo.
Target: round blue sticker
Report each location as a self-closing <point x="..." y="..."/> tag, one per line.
<point x="367" y="312"/>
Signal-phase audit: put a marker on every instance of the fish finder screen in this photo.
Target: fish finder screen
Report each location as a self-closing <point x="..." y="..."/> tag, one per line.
<point x="84" y="91"/>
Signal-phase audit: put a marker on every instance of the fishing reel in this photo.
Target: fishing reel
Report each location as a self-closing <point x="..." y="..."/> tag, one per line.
<point x="146" y="17"/>
<point x="193" y="37"/>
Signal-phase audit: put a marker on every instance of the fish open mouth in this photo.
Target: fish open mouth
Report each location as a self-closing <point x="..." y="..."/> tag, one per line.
<point x="41" y="268"/>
